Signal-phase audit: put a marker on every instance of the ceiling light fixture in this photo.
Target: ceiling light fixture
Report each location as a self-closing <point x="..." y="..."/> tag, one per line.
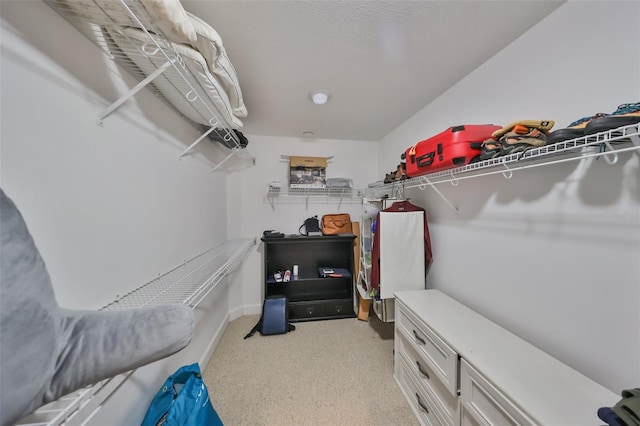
<point x="319" y="97"/>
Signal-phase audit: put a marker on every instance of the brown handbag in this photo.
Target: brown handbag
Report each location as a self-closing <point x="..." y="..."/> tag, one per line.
<point x="334" y="224"/>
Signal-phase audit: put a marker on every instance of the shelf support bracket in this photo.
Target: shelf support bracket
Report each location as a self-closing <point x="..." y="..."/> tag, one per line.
<point x="508" y="174"/>
<point x="117" y="104"/>
<point x="428" y="182"/>
<point x="341" y="197"/>
<point x="205" y="134"/>
<point x="612" y="157"/>
<point x="223" y="161"/>
<point x="635" y="139"/>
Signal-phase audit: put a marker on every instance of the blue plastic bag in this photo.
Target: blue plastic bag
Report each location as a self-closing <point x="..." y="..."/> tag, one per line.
<point x="183" y="399"/>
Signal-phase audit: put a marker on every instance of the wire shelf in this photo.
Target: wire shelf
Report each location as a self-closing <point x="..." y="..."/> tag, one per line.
<point x="606" y="144"/>
<point x="154" y="64"/>
<point x="188" y="283"/>
<point x="313" y="196"/>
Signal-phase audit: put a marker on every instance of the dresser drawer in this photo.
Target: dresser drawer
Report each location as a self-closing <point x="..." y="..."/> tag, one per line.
<point x="485" y="404"/>
<point x="439" y="356"/>
<point x="420" y="401"/>
<point x="448" y="404"/>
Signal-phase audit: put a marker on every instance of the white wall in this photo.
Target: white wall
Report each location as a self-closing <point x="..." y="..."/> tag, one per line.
<point x="250" y="212"/>
<point x="110" y="207"/>
<point x="552" y="254"/>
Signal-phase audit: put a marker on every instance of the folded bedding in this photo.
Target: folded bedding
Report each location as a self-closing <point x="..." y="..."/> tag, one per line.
<point x="172" y="19"/>
<point x="180" y="26"/>
<point x="172" y="85"/>
<point x="209" y="43"/>
<point x="195" y="40"/>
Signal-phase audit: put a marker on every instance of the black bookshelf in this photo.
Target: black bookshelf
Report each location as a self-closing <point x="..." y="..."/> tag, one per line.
<point x="310" y="295"/>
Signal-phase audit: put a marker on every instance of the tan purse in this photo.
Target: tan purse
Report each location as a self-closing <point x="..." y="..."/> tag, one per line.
<point x="334" y="224"/>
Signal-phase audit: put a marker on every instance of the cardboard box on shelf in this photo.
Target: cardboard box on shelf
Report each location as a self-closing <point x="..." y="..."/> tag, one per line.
<point x="307" y="172"/>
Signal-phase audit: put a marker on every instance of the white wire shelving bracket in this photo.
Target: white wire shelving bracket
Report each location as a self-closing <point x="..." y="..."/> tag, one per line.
<point x="96" y="19"/>
<point x="189" y="283"/>
<point x="313" y="195"/>
<point x="608" y="144"/>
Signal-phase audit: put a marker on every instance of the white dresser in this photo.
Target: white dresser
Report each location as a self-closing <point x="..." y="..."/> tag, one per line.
<point x="456" y="367"/>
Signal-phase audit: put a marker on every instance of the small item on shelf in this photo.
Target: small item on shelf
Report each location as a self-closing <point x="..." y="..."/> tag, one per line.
<point x="272" y="234"/>
<point x="573" y="130"/>
<point x="335" y="224"/>
<point x="523" y="137"/>
<point x="311" y="227"/>
<point x="278" y="277"/>
<point x="400" y="173"/>
<point x="326" y="272"/>
<point x="287" y="276"/>
<point x="275" y="184"/>
<point x="339" y="183"/>
<point x="308" y="172"/>
<point x="518" y="136"/>
<point x="625" y="115"/>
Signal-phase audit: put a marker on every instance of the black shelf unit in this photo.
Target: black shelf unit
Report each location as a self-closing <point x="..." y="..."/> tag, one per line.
<point x="310" y="296"/>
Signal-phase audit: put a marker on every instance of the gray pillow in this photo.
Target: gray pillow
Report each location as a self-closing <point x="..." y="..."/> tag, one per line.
<point x="46" y="351"/>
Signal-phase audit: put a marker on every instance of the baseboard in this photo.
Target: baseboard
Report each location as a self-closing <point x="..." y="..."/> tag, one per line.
<point x="236" y="313"/>
<point x="252" y="310"/>
<point x="213" y="344"/>
<point x="245" y="310"/>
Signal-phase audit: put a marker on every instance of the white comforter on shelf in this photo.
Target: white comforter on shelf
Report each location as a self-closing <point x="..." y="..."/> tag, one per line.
<point x="204" y="60"/>
<point x="171" y="83"/>
<point x="180" y="26"/>
<point x="209" y="44"/>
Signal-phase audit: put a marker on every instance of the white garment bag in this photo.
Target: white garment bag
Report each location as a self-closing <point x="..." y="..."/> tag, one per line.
<point x="402" y="264"/>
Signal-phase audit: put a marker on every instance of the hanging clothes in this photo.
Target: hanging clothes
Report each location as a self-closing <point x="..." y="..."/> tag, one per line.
<point x="398" y="207"/>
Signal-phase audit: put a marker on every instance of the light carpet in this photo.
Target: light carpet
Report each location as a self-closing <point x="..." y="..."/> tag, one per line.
<point x="333" y="372"/>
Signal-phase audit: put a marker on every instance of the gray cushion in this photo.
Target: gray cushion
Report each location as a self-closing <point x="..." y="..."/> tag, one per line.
<point x="46" y="351"/>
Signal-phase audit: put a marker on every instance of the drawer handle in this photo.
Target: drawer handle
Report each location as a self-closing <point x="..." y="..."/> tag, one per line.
<point x="418" y="338"/>
<point x="424" y="407"/>
<point x="424" y="373"/>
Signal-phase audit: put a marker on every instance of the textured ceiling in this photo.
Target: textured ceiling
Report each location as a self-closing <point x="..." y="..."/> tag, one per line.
<point x="381" y="61"/>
